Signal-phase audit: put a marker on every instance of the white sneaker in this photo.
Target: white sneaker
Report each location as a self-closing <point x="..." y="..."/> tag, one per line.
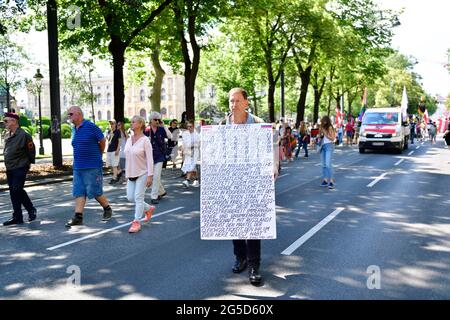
<point x="195" y="184"/>
<point x="186" y="183"/>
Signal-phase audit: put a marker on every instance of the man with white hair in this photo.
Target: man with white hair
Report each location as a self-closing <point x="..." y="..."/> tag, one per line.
<point x="157" y="138"/>
<point x="19" y="153"/>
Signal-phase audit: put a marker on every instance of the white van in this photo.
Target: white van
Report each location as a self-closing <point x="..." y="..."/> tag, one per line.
<point x="382" y="128"/>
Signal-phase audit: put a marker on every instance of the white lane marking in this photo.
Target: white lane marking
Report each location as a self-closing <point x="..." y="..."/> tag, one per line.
<point x="283" y="175"/>
<point x="398" y="162"/>
<point x="106" y="231"/>
<point x="410" y="153"/>
<point x="418" y="147"/>
<point x="374" y="182"/>
<point x="289" y="250"/>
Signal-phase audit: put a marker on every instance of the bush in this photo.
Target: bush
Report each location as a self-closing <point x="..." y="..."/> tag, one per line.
<point x="46" y="121"/>
<point x="24" y="121"/>
<point x="127" y="126"/>
<point x="66" y="131"/>
<point x="45" y="131"/>
<point x="27" y="130"/>
<point x="31" y="130"/>
<point x="101" y="123"/>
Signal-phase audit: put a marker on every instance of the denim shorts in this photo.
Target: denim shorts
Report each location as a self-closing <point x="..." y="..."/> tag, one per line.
<point x="87" y="183"/>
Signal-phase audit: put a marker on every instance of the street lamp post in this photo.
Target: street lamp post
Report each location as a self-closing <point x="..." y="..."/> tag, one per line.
<point x="38" y="77"/>
<point x="91" y="89"/>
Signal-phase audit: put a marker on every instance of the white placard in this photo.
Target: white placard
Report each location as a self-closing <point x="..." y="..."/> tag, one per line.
<point x="237" y="196"/>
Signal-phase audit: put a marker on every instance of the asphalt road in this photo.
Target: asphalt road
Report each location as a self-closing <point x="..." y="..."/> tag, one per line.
<point x="383" y="233"/>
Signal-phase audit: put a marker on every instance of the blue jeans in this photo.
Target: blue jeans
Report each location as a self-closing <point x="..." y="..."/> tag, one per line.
<point x="303" y="144"/>
<point x="326" y="158"/>
<point x="87" y="183"/>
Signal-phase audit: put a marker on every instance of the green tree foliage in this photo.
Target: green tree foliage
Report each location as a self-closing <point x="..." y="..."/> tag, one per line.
<point x="389" y="88"/>
<point x="108" y="26"/>
<point x="12" y="59"/>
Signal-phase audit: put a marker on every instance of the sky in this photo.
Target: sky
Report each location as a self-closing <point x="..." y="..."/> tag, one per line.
<point x="424" y="33"/>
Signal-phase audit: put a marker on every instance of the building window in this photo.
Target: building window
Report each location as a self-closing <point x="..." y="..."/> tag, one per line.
<point x="108" y="115"/>
<point x="163" y="94"/>
<point x="108" y="98"/>
<point x="65" y="101"/>
<point x="143" y="113"/>
<point x="142" y="95"/>
<point x="99" y="115"/>
<point x="98" y="99"/>
<point x="164" y="112"/>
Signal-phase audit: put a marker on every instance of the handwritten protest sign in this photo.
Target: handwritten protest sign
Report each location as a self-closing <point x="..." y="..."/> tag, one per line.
<point x="237" y="196"/>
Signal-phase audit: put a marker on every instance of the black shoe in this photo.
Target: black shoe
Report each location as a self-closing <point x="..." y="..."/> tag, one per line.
<point x="254" y="276"/>
<point x="239" y="265"/>
<point x="107" y="214"/>
<point x="113" y="181"/>
<point x="32" y="215"/>
<point x="162" y="195"/>
<point x="154" y="201"/>
<point x="75" y="221"/>
<point x="12" y="222"/>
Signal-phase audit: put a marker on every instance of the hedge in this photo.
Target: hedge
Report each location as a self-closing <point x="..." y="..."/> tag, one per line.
<point x="66" y="131"/>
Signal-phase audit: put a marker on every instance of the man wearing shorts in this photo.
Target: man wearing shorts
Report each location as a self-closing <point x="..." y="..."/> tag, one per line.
<point x="88" y="145"/>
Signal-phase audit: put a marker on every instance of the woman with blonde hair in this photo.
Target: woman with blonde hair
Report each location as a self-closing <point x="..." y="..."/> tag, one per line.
<point x="326" y="151"/>
<point x="139" y="171"/>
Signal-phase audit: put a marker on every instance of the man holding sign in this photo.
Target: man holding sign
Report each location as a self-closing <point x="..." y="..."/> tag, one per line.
<point x="239" y="167"/>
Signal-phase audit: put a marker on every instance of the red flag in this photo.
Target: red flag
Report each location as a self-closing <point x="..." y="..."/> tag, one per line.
<point x="425" y="116"/>
<point x="339" y="117"/>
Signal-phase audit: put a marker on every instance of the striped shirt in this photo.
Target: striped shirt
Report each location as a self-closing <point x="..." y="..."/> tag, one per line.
<point x="86" y="149"/>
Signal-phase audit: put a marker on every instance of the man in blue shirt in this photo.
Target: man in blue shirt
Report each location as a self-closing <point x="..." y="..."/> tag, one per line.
<point x="88" y="145"/>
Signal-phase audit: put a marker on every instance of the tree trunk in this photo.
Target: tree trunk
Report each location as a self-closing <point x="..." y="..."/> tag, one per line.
<point x="117" y="50"/>
<point x="255" y="103"/>
<point x="189" y="85"/>
<point x="318" y="91"/>
<point x="190" y="68"/>
<point x="8" y="98"/>
<point x="301" y="104"/>
<point x="271" y="101"/>
<point x="155" y="97"/>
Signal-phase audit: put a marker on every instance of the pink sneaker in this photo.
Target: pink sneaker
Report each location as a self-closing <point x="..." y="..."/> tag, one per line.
<point x="135" y="227"/>
<point x="148" y="213"/>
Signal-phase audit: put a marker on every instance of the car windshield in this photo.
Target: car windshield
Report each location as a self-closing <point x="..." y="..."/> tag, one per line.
<point x="380" y="118"/>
